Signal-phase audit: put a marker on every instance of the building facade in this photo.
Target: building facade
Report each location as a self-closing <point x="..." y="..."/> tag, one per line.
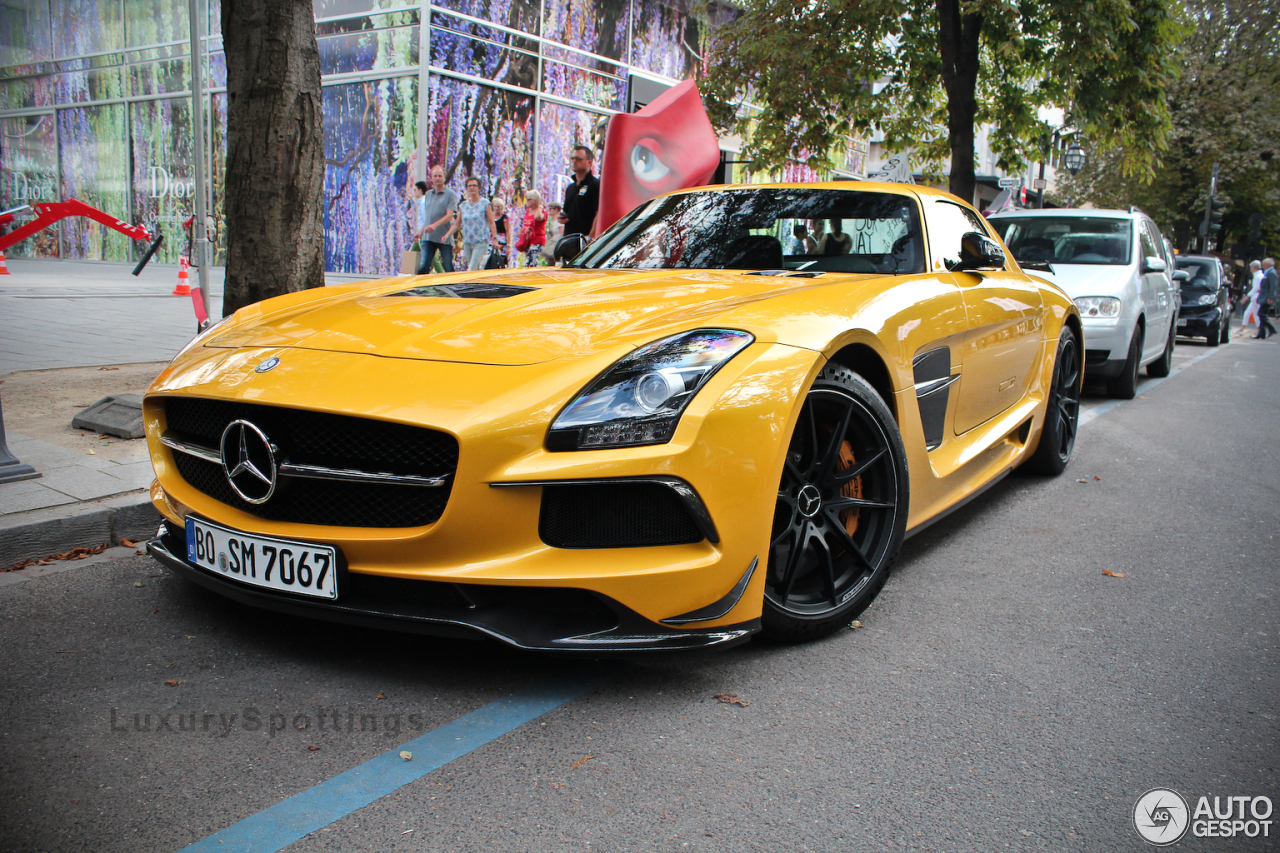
<point x="95" y="103"/>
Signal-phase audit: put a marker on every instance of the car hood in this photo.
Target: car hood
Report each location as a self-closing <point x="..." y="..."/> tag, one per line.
<point x="1089" y="279"/>
<point x="564" y="313"/>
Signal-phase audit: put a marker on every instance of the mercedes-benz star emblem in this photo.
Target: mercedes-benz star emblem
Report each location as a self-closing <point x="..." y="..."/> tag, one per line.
<point x="267" y="365"/>
<point x="249" y="461"/>
<point x="809" y="501"/>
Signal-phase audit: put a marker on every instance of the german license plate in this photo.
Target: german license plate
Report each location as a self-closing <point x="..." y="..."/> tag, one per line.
<point x="280" y="564"/>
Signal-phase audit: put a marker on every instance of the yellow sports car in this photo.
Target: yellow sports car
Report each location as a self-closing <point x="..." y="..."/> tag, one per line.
<point x="709" y="424"/>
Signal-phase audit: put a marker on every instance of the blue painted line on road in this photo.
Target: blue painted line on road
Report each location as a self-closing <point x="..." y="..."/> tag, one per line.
<point x="1101" y="409"/>
<point x="288" y="821"/>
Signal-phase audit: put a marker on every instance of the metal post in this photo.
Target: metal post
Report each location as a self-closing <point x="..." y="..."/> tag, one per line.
<point x="201" y="230"/>
<point x="12" y="469"/>
<point x="1208" y="209"/>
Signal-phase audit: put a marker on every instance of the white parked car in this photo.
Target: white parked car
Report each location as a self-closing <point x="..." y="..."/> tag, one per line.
<point x="1119" y="270"/>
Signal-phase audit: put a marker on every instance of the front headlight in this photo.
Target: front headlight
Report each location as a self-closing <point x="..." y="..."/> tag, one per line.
<point x="640" y="399"/>
<point x="1206" y="299"/>
<point x="1098" y="306"/>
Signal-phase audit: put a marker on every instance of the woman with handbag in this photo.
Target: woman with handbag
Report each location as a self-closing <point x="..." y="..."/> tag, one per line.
<point x="478" y="232"/>
<point x="533" y="234"/>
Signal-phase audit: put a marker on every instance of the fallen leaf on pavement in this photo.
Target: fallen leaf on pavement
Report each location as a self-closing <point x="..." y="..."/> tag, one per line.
<point x="380" y="696"/>
<point x="153" y="612"/>
<point x="128" y="543"/>
<point x="855" y="624"/>
<point x="173" y="682"/>
<point x="137" y="583"/>
<point x="581" y="761"/>
<point x="731" y="699"/>
<point x="108" y="368"/>
<point x="1097" y="478"/>
<point x="314" y="748"/>
<point x="1082" y="481"/>
<point x="406" y="755"/>
<point x="1112" y="574"/>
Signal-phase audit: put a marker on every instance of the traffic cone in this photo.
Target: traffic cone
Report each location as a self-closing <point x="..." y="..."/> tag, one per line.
<point x="3" y="269"/>
<point x="183" y="289"/>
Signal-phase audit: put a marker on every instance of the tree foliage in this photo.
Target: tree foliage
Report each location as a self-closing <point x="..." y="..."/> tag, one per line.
<point x="275" y="151"/>
<point x="926" y="72"/>
<point x="1225" y="109"/>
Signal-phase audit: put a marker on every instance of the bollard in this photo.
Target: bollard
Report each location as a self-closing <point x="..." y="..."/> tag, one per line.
<point x="12" y="470"/>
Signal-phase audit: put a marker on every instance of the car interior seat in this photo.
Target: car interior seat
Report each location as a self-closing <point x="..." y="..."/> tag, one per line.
<point x="754" y="252"/>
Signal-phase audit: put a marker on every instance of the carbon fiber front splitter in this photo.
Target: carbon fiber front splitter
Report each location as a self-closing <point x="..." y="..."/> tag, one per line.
<point x="590" y="623"/>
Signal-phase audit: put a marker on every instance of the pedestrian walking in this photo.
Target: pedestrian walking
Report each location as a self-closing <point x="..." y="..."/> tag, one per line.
<point x="555" y="230"/>
<point x="478" y="232"/>
<point x="1266" y="296"/>
<point x="441" y="208"/>
<point x="582" y="197"/>
<point x="502" y="227"/>
<point x="1251" y="310"/>
<point x="533" y="231"/>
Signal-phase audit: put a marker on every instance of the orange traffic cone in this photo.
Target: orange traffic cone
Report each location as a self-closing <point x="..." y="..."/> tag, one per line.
<point x="3" y="269"/>
<point x="183" y="289"/>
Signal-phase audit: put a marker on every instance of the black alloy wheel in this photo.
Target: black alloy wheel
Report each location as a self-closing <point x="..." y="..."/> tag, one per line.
<point x="841" y="510"/>
<point x="1062" y="411"/>
<point x="1125" y="386"/>
<point x="1162" y="365"/>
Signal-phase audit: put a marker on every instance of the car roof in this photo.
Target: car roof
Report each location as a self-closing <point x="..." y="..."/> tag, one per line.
<point x="1066" y="213"/>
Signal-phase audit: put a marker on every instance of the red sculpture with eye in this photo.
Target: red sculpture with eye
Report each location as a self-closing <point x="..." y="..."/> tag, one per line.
<point x="667" y="145"/>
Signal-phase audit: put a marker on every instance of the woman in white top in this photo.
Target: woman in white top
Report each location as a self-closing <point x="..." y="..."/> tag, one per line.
<point x="1251" y="312"/>
<point x="478" y="232"/>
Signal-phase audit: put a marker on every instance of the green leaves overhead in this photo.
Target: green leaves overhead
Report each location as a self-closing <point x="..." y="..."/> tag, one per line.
<point x="821" y="69"/>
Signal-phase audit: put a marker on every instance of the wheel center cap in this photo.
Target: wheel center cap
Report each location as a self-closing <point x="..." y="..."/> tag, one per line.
<point x="809" y="501"/>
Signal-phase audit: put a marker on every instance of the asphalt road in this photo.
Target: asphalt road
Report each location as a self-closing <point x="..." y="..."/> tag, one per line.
<point x="1003" y="693"/>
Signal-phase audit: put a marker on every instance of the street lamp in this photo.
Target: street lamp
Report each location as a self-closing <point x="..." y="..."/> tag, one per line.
<point x="1074" y="159"/>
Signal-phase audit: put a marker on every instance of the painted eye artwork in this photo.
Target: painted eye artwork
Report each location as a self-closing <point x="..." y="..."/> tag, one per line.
<point x="667" y="145"/>
<point x="646" y="162"/>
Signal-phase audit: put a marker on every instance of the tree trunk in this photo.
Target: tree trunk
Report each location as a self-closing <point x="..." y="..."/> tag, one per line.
<point x="958" y="43"/>
<point x="275" y="151"/>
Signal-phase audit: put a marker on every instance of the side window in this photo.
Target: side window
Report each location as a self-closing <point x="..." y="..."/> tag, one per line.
<point x="1149" y="243"/>
<point x="948" y="223"/>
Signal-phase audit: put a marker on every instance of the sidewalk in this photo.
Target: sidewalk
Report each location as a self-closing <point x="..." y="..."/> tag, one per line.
<point x="69" y="314"/>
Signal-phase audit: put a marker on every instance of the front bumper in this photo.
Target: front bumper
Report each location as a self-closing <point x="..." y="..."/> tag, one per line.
<point x="1106" y="343"/>
<point x="1197" y="324"/>
<point x="533" y="618"/>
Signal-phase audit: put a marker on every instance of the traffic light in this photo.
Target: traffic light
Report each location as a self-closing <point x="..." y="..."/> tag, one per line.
<point x="1214" y="218"/>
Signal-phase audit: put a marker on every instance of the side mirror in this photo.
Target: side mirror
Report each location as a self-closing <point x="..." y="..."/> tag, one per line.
<point x="1181" y="276"/>
<point x="978" y="251"/>
<point x="1153" y="264"/>
<point x="569" y="247"/>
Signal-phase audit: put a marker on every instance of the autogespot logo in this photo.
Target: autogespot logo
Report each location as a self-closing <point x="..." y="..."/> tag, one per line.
<point x="1161" y="816"/>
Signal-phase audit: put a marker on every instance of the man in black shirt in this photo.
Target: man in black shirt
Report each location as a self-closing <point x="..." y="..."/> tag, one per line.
<point x="582" y="197"/>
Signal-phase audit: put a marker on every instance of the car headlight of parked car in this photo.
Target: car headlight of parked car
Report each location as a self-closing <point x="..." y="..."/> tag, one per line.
<point x="1098" y="306"/>
<point x="1206" y="299"/>
<point x="640" y="399"/>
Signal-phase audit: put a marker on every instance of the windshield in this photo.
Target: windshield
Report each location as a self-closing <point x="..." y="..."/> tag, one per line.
<point x="1202" y="276"/>
<point x="766" y="229"/>
<point x="1067" y="239"/>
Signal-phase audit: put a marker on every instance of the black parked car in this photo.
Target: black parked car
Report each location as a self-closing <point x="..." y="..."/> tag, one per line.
<point x="1205" y="311"/>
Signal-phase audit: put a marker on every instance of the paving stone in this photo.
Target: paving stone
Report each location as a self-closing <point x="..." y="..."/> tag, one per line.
<point x="84" y="483"/>
<point x="28" y="495"/>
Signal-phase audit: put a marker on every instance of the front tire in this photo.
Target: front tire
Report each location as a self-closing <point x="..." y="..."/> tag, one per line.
<point x="1161" y="366"/>
<point x="841" y="510"/>
<point x="1062" y="412"/>
<point x="1125" y="386"/>
<point x="1226" y="329"/>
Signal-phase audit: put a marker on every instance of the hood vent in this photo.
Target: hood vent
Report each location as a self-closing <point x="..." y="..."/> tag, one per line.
<point x="466" y="290"/>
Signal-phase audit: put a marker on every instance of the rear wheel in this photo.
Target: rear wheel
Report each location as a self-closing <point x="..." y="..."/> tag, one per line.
<point x="1162" y="365"/>
<point x="1062" y="414"/>
<point x="841" y="510"/>
<point x="1125" y="386"/>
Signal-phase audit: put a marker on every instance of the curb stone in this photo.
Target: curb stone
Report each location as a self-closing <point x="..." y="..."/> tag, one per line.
<point x="41" y="532"/>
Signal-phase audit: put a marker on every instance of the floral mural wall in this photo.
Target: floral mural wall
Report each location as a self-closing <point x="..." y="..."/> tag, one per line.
<point x="370" y="131"/>
<point x="163" y="171"/>
<point x="28" y="174"/>
<point x="94" y="148"/>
